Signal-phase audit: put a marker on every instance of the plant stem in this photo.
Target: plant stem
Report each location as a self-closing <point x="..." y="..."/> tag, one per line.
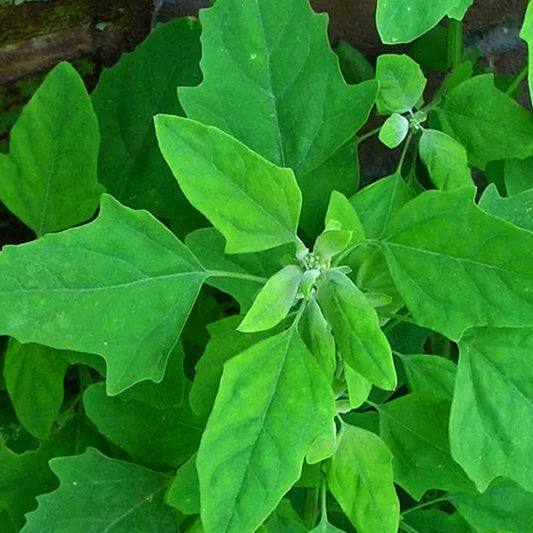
<point x="517" y="80"/>
<point x="310" y="511"/>
<point x="408" y="528"/>
<point x="366" y="136"/>
<point x="404" y="152"/>
<point x="455" y="43"/>
<point x="424" y="504"/>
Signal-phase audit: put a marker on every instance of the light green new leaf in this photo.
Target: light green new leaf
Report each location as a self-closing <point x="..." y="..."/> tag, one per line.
<point x="401" y="83"/>
<point x="340" y="210"/>
<point x="120" y="287"/>
<point x="97" y="493"/>
<point x="273" y="403"/>
<point x="272" y="81"/>
<point x="126" y="98"/>
<point x="487" y="122"/>
<point x="402" y="22"/>
<point x="394" y="130"/>
<point x="34" y="376"/>
<point x="355" y="325"/>
<point x="377" y="203"/>
<point x="48" y="180"/>
<point x="274" y="301"/>
<point x="437" y="521"/>
<point x="415" y="428"/>
<point x="452" y="278"/>
<point x="253" y="203"/>
<point x="503" y="506"/>
<point x="184" y="493"/>
<point x="492" y="409"/>
<point x="526" y="33"/>
<point x="359" y="475"/>
<point x="158" y="438"/>
<point x="430" y="375"/>
<point x="518" y="175"/>
<point x="517" y="209"/>
<point x="446" y="160"/>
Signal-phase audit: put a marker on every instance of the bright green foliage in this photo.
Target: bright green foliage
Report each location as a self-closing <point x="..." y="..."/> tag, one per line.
<point x="518" y="175"/>
<point x="283" y="520"/>
<point x="526" y="33"/>
<point x="286" y="98"/>
<point x="126" y="98"/>
<point x="492" y="406"/>
<point x="401" y="22"/>
<point x="253" y="203"/>
<point x="401" y="83"/>
<point x="415" y="428"/>
<point x="97" y="493"/>
<point x="33" y="375"/>
<point x="361" y="343"/>
<point x="342" y="212"/>
<point x="443" y="294"/>
<point x="360" y="478"/>
<point x="487" y="122"/>
<point x="61" y="281"/>
<point x="394" y="130"/>
<point x="435" y="521"/>
<point x="325" y="527"/>
<point x="358" y="387"/>
<point x="445" y="159"/>
<point x="184" y="493"/>
<point x="48" y="180"/>
<point x="260" y="430"/>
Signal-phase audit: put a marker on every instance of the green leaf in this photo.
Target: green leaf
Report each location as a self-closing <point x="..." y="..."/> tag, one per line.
<point x="274" y="301"/>
<point x="34" y="380"/>
<point x="487" y="122"/>
<point x="430" y="375"/>
<point x="89" y="289"/>
<point x="97" y="493"/>
<point x="273" y="403"/>
<point x="377" y="203"/>
<point x="518" y="175"/>
<point x="446" y="160"/>
<point x="272" y="81"/>
<point x="253" y="203"/>
<point x="49" y="177"/>
<point x="184" y="493"/>
<point x="400" y="22"/>
<point x="342" y="211"/>
<point x="401" y="83"/>
<point x="492" y="407"/>
<point x="394" y="130"/>
<point x="325" y="527"/>
<point x="503" y="506"/>
<point x="360" y="477"/>
<point x="355" y="67"/>
<point x="225" y="342"/>
<point x="437" y="521"/>
<point x="284" y="520"/>
<point x="360" y="341"/>
<point x="127" y="97"/>
<point x="452" y="279"/>
<point x="358" y="387"/>
<point x="517" y="209"/>
<point x="158" y="438"/>
<point x="526" y="33"/>
<point x="331" y="243"/>
<point x="415" y="428"/>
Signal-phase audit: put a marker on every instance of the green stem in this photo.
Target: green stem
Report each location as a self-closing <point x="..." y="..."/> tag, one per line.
<point x="408" y="528"/>
<point x="236" y="275"/>
<point x="455" y="43"/>
<point x="310" y="512"/>
<point x="404" y="152"/>
<point x="366" y="136"/>
<point x="517" y="80"/>
<point x="424" y="504"/>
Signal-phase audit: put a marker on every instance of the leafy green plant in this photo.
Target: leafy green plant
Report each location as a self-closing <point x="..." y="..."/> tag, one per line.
<point x="243" y="338"/>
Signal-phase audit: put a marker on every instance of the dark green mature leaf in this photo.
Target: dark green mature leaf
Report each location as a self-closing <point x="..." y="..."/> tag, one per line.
<point x="360" y="478"/>
<point x="273" y="403"/>
<point x="272" y="81"/>
<point x="446" y="160"/>
<point x="97" y="493"/>
<point x="503" y="506"/>
<point x="184" y="493"/>
<point x="401" y="84"/>
<point x="487" y="122"/>
<point x="526" y="33"/>
<point x="430" y="375"/>
<point x="415" y="428"/>
<point x="253" y="203"/>
<point x="452" y="278"/>
<point x="48" y="180"/>
<point x="517" y="209"/>
<point x="126" y="98"/>
<point x="360" y="341"/>
<point x="378" y="202"/>
<point x="121" y="287"/>
<point x="492" y="409"/>
<point x="518" y="175"/>
<point x="34" y="380"/>
<point x="437" y="521"/>
<point x="158" y="438"/>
